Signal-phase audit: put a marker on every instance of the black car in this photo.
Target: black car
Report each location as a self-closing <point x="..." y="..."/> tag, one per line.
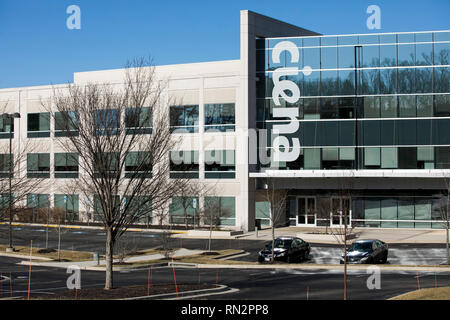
<point x="367" y="251"/>
<point x="287" y="249"/>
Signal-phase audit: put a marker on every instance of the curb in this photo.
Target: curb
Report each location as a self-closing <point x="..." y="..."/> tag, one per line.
<point x="90" y="227"/>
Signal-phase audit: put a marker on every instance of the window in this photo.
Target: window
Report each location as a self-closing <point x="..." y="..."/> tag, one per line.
<point x="66" y="165"/>
<point x="6" y="128"/>
<point x="389" y="158"/>
<point x="138" y="120"/>
<point x="220" y="211"/>
<point x="138" y="163"/>
<point x="38" y="125"/>
<point x="184" y="164"/>
<point x="220" y="117"/>
<point x="312" y="158"/>
<point x="37" y="201"/>
<point x="184" y="210"/>
<point x="98" y="210"/>
<point x="38" y="165"/>
<point x="442" y="157"/>
<point x="220" y="164"/>
<point x="140" y="207"/>
<point x="106" y="164"/>
<point x="442" y="103"/>
<point x="66" y="123"/>
<point x="68" y="204"/>
<point x="184" y="118"/>
<point x="106" y="121"/>
<point x="5" y="163"/>
<point x="371" y="157"/>
<point x="407" y="158"/>
<point x="371" y="107"/>
<point x="407" y="106"/>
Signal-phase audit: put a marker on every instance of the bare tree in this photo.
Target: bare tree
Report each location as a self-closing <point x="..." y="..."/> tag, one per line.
<point x="277" y="203"/>
<point x="340" y="209"/>
<point x="123" y="167"/>
<point x="16" y="183"/>
<point x="212" y="213"/>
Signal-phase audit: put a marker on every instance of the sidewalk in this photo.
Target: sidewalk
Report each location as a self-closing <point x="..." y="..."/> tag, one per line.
<point x="310" y="234"/>
<point x="386" y="235"/>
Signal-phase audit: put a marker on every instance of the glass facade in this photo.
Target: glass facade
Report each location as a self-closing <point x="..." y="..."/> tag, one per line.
<point x="373" y="102"/>
<point x="381" y="97"/>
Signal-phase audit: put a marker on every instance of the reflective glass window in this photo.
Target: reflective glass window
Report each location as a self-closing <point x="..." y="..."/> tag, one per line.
<point x="388" y="81"/>
<point x="389" y="158"/>
<point x="388" y="55"/>
<point x="388" y="212"/>
<point x="370" y="57"/>
<point x="371" y="107"/>
<point x="441" y="83"/>
<point x="442" y="108"/>
<point x="346" y="82"/>
<point x="407" y="158"/>
<point x="442" y="157"/>
<point x="407" y="106"/>
<point x="441" y="54"/>
<point x="312" y="158"/>
<point x="406" y="81"/>
<point x="388" y="107"/>
<point x="184" y="118"/>
<point x="372" y="157"/>
<point x="329" y="57"/>
<point x="406" y="212"/>
<point x="407" y="132"/>
<point x="424" y="80"/>
<point x="220" y="117"/>
<point x="424" y="106"/>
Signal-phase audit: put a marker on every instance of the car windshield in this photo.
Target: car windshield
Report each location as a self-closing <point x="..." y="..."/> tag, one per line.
<point x="361" y="246"/>
<point x="280" y="243"/>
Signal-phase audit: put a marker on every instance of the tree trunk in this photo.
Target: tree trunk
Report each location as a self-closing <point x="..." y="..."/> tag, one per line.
<point x="59" y="242"/>
<point x="446" y="243"/>
<point x="345" y="257"/>
<point x="109" y="259"/>
<point x="273" y="242"/>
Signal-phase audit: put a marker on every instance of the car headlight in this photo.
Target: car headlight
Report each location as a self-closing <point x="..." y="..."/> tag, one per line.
<point x="364" y="259"/>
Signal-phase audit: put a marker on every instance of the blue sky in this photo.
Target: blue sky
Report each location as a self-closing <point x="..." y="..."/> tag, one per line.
<point x="37" y="48"/>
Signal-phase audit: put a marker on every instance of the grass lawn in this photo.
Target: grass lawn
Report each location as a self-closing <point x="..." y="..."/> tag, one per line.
<point x="442" y="293"/>
<point x="66" y="255"/>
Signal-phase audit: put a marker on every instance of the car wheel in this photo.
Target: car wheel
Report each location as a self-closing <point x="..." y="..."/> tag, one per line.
<point x="305" y="255"/>
<point x="384" y="260"/>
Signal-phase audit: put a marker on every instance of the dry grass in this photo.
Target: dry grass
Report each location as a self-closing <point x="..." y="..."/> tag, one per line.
<point x="66" y="255"/>
<point x="442" y="293"/>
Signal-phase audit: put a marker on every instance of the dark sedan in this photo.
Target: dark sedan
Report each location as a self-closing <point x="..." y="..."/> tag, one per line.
<point x="367" y="251"/>
<point x="287" y="249"/>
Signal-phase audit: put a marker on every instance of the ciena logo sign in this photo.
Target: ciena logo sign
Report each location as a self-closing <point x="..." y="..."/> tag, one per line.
<point x="284" y="149"/>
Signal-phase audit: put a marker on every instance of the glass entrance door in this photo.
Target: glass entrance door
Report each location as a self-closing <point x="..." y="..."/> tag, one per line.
<point x="306" y="211"/>
<point x="340" y="209"/>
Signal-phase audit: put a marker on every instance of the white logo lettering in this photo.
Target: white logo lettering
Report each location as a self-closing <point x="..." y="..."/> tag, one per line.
<point x="282" y="148"/>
